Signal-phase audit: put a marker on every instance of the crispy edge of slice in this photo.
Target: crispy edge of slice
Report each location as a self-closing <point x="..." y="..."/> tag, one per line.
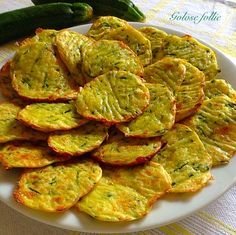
<point x="5" y="82"/>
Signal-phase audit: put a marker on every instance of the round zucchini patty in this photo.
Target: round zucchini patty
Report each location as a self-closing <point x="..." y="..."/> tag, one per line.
<point x="185" y="159"/>
<point x="126" y="193"/>
<point x="78" y="141"/>
<point x="119" y="150"/>
<point x="11" y="129"/>
<point x="58" y="187"/>
<point x="49" y="117"/>
<point x="114" y="97"/>
<point x="215" y="124"/>
<point x="27" y="155"/>
<point x="38" y="74"/>
<point x="160" y="114"/>
<point x="106" y="55"/>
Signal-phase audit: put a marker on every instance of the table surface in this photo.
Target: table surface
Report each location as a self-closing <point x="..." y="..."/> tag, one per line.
<point x="220" y="216"/>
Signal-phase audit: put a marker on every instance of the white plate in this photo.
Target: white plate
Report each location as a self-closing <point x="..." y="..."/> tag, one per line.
<point x="167" y="210"/>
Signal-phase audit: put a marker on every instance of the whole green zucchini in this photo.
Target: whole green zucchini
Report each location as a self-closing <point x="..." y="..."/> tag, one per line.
<point x="21" y="22"/>
<point x="124" y="9"/>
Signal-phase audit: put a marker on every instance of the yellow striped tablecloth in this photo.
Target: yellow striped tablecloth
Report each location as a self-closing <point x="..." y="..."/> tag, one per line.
<point x="220" y="31"/>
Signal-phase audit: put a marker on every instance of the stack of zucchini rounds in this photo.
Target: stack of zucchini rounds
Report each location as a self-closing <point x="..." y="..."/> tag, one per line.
<point x="110" y="121"/>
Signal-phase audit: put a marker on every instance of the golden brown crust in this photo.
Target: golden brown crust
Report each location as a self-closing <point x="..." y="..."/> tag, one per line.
<point x="5" y="82"/>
